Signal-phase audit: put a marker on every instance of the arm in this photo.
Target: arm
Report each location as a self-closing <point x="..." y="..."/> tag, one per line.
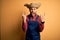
<point x="41" y="24"/>
<point x="25" y="24"/>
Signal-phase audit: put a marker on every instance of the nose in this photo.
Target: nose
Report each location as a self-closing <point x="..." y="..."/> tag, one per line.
<point x="32" y="10"/>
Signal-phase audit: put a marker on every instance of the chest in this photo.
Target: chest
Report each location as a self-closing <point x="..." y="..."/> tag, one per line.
<point x="33" y="21"/>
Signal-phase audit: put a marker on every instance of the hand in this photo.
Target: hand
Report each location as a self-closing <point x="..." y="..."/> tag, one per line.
<point x="24" y="17"/>
<point x="42" y="18"/>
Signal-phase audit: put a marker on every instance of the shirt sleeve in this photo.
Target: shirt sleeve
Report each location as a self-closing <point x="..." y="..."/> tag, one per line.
<point x="41" y="25"/>
<point x="25" y="25"/>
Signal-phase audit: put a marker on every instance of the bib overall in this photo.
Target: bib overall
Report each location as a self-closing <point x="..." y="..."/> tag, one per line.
<point x="33" y="30"/>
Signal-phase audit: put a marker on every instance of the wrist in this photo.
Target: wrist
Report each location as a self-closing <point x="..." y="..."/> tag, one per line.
<point x="42" y="22"/>
<point x="24" y="21"/>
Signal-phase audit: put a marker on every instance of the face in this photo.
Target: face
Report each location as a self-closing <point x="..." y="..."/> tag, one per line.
<point x="33" y="11"/>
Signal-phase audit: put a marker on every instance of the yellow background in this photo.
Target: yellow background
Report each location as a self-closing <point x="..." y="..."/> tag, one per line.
<point x="11" y="22"/>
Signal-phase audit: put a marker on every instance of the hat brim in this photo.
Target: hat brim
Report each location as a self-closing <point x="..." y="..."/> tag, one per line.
<point x="32" y="5"/>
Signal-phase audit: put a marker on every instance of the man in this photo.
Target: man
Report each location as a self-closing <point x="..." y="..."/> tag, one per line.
<point x="33" y="24"/>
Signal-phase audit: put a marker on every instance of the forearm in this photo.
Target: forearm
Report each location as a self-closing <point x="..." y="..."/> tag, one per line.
<point x="25" y="25"/>
<point x="41" y="26"/>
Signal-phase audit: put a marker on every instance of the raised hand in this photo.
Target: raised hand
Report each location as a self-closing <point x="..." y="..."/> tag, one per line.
<point x="42" y="17"/>
<point x="24" y="17"/>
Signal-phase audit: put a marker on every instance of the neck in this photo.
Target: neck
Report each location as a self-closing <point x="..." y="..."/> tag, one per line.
<point x="33" y="15"/>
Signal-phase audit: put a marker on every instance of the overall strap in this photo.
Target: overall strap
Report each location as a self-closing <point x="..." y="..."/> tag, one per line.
<point x="28" y="17"/>
<point x="37" y="17"/>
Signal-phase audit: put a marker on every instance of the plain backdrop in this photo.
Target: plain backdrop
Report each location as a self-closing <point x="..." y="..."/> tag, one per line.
<point x="11" y="19"/>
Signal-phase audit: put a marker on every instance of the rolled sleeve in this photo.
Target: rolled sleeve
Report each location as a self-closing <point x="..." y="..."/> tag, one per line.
<point x="25" y="25"/>
<point x="41" y="24"/>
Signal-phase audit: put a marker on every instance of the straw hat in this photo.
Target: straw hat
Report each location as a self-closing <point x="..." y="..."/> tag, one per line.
<point x="33" y="5"/>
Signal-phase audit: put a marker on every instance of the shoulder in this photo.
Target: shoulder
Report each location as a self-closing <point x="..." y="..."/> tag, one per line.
<point x="38" y="16"/>
<point x="27" y="17"/>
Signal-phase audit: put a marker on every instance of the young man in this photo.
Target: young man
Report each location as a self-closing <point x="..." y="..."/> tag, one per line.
<point x="33" y="24"/>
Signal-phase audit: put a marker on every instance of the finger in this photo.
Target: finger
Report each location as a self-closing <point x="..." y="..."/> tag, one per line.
<point x="22" y="13"/>
<point x="44" y="13"/>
